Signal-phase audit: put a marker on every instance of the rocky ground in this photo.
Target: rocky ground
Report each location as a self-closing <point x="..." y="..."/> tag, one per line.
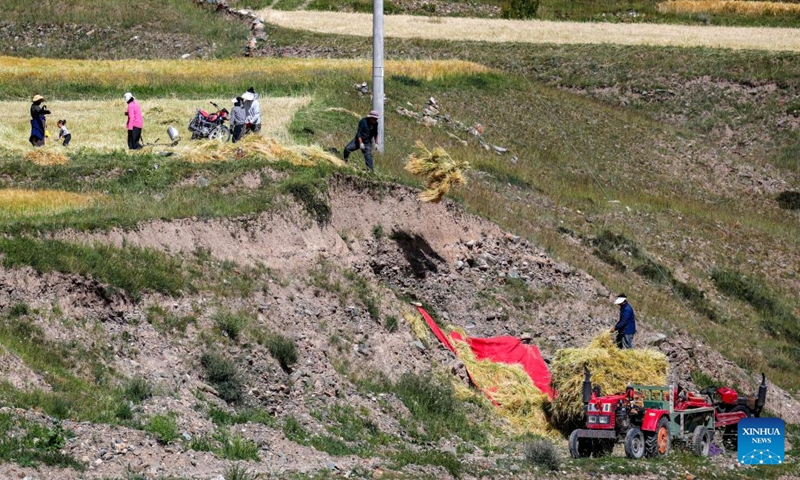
<point x="459" y="265"/>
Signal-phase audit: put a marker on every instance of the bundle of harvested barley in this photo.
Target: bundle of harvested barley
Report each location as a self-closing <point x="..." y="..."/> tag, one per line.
<point x="44" y="157"/>
<point x="612" y="369"/>
<point x="520" y="402"/>
<point x="258" y="147"/>
<point x="418" y="326"/>
<point x="442" y="171"/>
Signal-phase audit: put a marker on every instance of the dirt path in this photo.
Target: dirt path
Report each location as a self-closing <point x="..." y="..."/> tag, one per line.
<point x="537" y="31"/>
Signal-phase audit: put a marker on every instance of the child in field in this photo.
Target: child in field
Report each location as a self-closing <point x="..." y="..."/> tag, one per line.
<point x="63" y="132"/>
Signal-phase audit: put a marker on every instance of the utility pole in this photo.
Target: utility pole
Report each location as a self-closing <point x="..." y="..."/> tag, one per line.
<point x="377" y="67"/>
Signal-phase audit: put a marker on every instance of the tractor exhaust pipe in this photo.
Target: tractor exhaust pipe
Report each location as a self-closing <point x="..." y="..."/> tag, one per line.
<point x="761" y="400"/>
<point x="587" y="385"/>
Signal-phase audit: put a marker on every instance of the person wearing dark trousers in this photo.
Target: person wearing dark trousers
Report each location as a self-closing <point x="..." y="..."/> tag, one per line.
<point x="238" y="118"/>
<point x="253" y="109"/>
<point x="366" y="137"/>
<point x="38" y="121"/>
<point x="626" y="326"/>
<point x="135" y="122"/>
<point x="63" y="133"/>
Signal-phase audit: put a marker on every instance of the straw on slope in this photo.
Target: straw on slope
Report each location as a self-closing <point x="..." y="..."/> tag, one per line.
<point x="520" y="402"/>
<point x="259" y="147"/>
<point x="418" y="326"/>
<point x="611" y="368"/>
<point x="442" y="171"/>
<point x="45" y="157"/>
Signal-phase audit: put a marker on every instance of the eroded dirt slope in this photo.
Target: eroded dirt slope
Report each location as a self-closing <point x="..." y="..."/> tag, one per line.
<point x="382" y="242"/>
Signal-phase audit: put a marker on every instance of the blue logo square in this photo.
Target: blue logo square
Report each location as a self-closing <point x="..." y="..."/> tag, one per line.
<point x="761" y="441"/>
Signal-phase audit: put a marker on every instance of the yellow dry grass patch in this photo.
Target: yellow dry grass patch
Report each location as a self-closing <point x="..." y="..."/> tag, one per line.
<point x="46" y="156"/>
<point x="540" y="31"/>
<point x="100" y="124"/>
<point x="27" y="202"/>
<point x="612" y="369"/>
<point x="521" y="403"/>
<point x="118" y="73"/>
<point x="734" y="7"/>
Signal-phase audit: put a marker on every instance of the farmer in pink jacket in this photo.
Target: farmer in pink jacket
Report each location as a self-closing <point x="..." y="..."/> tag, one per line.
<point x="135" y="122"/>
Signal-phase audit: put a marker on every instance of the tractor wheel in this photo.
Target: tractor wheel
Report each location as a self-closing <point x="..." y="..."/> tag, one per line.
<point x="658" y="443"/>
<point x="578" y="447"/>
<point x="634" y="444"/>
<point x="701" y="441"/>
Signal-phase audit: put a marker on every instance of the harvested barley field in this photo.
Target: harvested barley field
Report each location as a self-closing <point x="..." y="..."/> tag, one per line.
<point x="734" y="7"/>
<point x="538" y="31"/>
<point x="100" y="124"/>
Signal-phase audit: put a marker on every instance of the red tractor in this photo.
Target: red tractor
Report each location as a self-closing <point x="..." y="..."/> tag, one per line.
<point x="647" y="419"/>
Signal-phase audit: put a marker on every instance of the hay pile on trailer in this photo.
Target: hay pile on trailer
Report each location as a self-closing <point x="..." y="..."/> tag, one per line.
<point x="612" y="370"/>
<point x="520" y="402"/>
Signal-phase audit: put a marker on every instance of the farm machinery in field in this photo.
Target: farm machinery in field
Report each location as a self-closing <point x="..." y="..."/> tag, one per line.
<point x="647" y="419"/>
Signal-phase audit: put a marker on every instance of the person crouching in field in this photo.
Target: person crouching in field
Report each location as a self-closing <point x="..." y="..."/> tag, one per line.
<point x="135" y="122"/>
<point x="366" y="137"/>
<point x="63" y="132"/>
<point x="238" y="118"/>
<point x="253" y="109"/>
<point x="38" y="121"/>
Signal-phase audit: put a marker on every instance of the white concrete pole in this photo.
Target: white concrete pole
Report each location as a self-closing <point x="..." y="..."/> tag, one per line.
<point x="377" y="67"/>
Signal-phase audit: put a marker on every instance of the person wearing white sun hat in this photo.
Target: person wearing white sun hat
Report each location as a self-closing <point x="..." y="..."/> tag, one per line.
<point x="135" y="121"/>
<point x="253" y="109"/>
<point x="626" y="326"/>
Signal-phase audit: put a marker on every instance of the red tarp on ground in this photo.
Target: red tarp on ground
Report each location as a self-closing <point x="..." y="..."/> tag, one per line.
<point x="507" y="349"/>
